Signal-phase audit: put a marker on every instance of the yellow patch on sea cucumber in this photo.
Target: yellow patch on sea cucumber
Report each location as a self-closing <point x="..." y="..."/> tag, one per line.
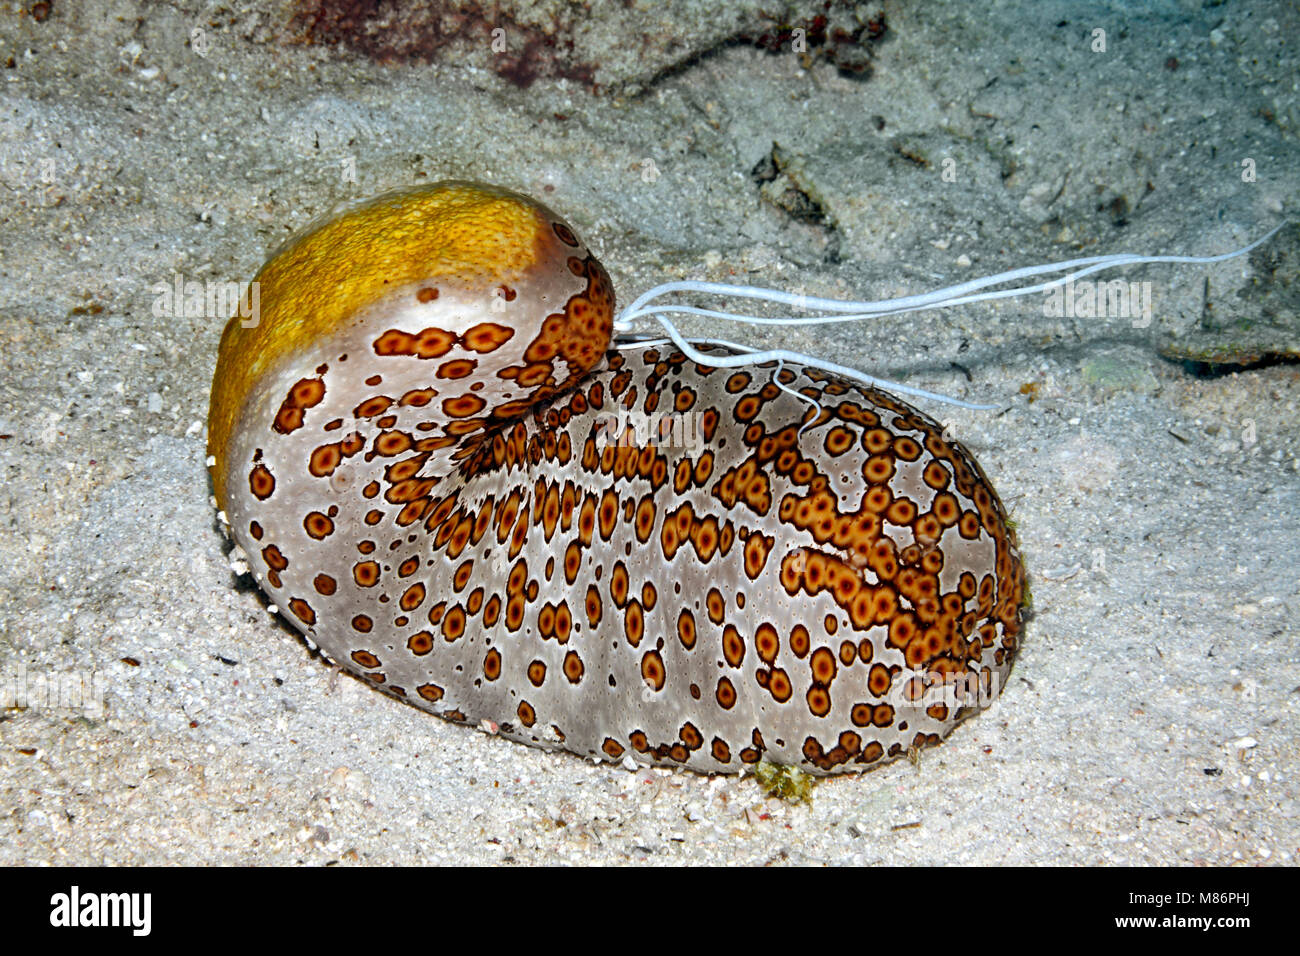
<point x="454" y="231"/>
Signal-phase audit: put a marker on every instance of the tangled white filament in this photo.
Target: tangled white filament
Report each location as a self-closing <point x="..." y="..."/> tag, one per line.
<point x="849" y="311"/>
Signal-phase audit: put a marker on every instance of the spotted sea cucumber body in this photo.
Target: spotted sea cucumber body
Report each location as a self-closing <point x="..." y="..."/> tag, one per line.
<point x="439" y="472"/>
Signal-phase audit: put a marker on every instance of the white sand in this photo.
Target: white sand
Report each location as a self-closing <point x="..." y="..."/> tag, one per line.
<point x="1152" y="717"/>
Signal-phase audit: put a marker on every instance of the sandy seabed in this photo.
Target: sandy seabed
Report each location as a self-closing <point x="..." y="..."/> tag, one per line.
<point x="1153" y="713"/>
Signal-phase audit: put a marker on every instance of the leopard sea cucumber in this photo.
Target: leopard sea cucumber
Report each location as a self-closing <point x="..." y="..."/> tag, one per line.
<point x="416" y="448"/>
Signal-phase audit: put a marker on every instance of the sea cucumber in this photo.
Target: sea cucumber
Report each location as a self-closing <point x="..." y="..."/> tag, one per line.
<point x="442" y="473"/>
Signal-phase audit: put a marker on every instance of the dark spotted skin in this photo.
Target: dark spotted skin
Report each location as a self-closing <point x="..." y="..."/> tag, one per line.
<point x="756" y="599"/>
